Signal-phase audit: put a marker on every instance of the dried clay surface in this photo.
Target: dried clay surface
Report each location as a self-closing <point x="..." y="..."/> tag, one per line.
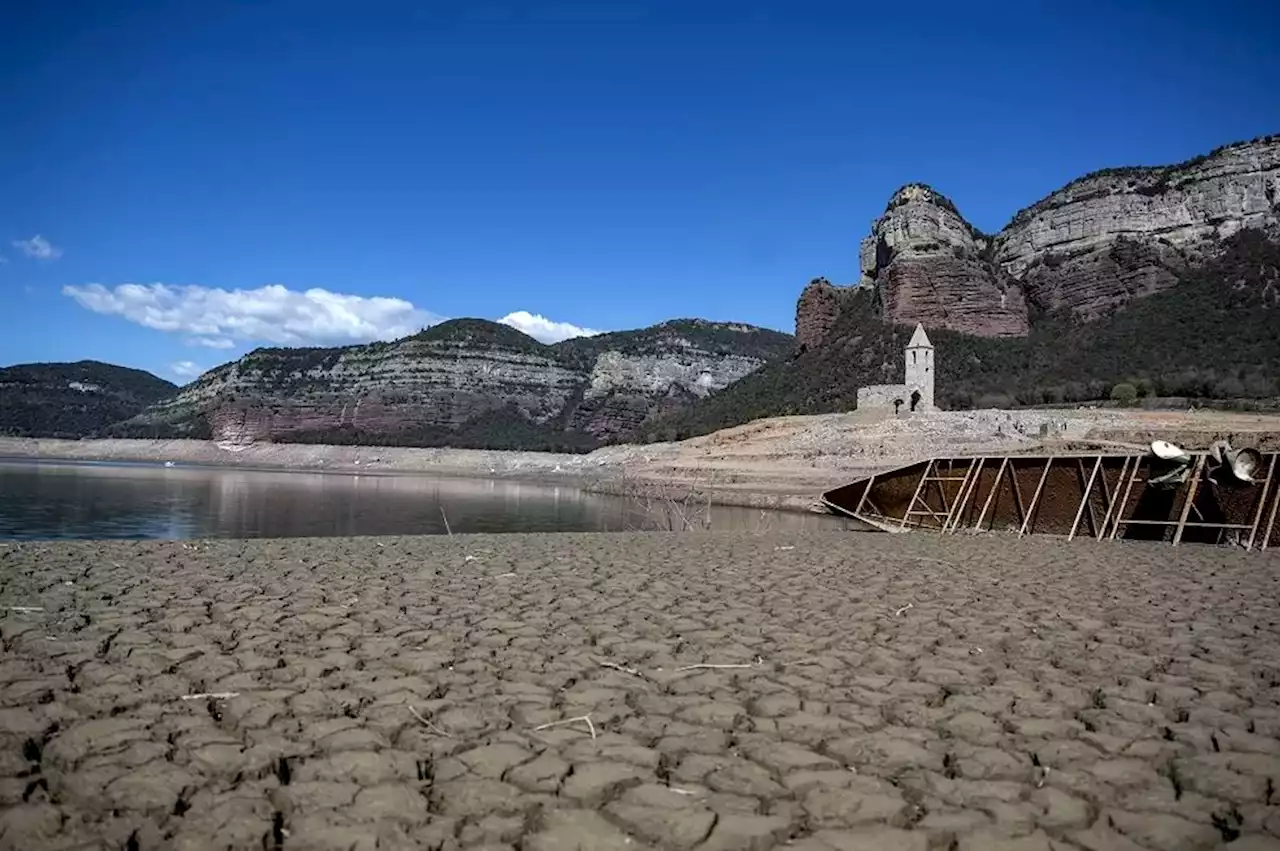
<point x="682" y="691"/>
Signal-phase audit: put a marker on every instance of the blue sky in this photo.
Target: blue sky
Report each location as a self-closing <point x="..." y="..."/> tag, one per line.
<point x="207" y="177"/>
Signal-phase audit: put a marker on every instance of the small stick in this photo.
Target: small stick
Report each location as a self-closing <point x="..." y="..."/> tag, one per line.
<point x="446" y="521"/>
<point x="26" y="610"/>
<point x="432" y="727"/>
<point x="586" y="718"/>
<point x="632" y="671"/>
<point x="903" y="609"/>
<point x="216" y="695"/>
<point x="705" y="666"/>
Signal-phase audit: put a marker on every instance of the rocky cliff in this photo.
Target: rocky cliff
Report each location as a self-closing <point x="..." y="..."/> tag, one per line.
<point x="1123" y="233"/>
<point x="465" y="382"/>
<point x="73" y="399"/>
<point x="929" y="265"/>
<point x="1085" y="250"/>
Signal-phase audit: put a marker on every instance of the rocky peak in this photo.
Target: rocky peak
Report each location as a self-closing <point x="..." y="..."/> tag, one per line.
<point x="1088" y="248"/>
<point x="931" y="266"/>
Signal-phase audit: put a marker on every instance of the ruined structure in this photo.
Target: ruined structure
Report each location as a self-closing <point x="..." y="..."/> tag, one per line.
<point x="916" y="393"/>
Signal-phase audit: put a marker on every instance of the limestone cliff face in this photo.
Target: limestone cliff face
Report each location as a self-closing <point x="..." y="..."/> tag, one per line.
<point x="465" y="382"/>
<point x="1088" y="248"/>
<point x="931" y="266"/>
<point x="636" y="375"/>
<point x="1124" y="233"/>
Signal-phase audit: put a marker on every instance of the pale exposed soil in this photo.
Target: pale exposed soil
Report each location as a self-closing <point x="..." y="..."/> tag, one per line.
<point x="780" y="462"/>
<point x="892" y="692"/>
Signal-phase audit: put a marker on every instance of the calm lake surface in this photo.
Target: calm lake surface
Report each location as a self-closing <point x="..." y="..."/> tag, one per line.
<point x="51" y="500"/>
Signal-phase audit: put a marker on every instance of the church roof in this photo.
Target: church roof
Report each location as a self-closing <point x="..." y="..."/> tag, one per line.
<point x="919" y="340"/>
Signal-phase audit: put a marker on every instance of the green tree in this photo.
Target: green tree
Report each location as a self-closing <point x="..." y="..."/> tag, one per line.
<point x="1124" y="393"/>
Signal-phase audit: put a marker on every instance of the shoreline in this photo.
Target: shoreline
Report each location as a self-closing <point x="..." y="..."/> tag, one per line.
<point x="603" y="471"/>
<point x="782" y="463"/>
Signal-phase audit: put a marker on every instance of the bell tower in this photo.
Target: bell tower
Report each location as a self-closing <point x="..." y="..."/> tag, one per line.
<point x="919" y="372"/>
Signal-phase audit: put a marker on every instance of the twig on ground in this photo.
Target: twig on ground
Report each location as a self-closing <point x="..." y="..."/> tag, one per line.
<point x="680" y="791"/>
<point x="903" y="609"/>
<point x="706" y="666"/>
<point x="506" y="575"/>
<point x="615" y="666"/>
<point x="25" y="610"/>
<point x="215" y="695"/>
<point x="585" y="718"/>
<point x="446" y="522"/>
<point x="783" y="549"/>
<point x="425" y="722"/>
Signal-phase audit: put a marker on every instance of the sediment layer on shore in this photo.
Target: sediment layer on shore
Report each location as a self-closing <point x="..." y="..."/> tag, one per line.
<point x="743" y="691"/>
<point x="784" y="462"/>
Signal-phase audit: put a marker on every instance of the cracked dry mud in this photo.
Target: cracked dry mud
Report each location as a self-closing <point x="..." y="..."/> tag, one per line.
<point x="1035" y="694"/>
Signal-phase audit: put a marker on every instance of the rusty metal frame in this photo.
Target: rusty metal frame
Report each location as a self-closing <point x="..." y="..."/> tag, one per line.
<point x="1088" y="492"/>
<point x="902" y="499"/>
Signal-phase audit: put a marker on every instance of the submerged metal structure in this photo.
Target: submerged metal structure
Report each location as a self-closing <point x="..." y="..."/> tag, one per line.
<point x="1220" y="496"/>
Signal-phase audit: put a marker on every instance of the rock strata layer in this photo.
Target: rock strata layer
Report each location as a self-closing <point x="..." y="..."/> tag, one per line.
<point x="464" y="383"/>
<point x="1087" y="249"/>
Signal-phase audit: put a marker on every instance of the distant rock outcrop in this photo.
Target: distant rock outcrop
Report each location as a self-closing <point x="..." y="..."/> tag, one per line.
<point x="817" y="311"/>
<point x="1087" y="249"/>
<point x="466" y="382"/>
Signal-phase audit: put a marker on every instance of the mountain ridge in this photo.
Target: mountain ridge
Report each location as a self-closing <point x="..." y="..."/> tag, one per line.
<point x="466" y="383"/>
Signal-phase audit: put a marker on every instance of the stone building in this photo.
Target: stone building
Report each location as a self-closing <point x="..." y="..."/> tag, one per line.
<point x="916" y="393"/>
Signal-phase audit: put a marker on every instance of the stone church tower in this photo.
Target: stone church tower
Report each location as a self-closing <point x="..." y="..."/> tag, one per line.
<point x="919" y="379"/>
<point x="919" y="373"/>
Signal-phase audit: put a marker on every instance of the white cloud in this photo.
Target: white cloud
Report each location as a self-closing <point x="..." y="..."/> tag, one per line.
<point x="213" y="342"/>
<point x="38" y="248"/>
<point x="185" y="369"/>
<point x="543" y="329"/>
<point x="220" y="318"/>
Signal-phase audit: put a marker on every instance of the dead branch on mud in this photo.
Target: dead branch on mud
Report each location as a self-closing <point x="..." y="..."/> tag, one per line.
<point x="615" y="666"/>
<point x="211" y="695"/>
<point x="668" y="506"/>
<point x="561" y="723"/>
<point x="705" y="666"/>
<point x="425" y="722"/>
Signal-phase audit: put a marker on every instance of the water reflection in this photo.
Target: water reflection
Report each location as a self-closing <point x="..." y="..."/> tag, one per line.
<point x="118" y="500"/>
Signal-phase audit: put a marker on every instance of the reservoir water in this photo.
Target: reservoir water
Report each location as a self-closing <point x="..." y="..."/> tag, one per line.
<point x="57" y="500"/>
